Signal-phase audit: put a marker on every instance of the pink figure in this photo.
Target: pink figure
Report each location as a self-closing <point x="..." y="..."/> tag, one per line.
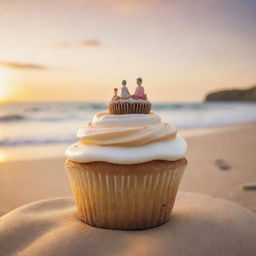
<point x="139" y="93"/>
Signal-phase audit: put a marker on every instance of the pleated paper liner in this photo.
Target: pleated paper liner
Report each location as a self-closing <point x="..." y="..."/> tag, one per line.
<point x="120" y="108"/>
<point x="125" y="197"/>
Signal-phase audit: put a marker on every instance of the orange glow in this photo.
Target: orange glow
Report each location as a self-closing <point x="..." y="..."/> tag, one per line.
<point x="2" y="157"/>
<point x="4" y="75"/>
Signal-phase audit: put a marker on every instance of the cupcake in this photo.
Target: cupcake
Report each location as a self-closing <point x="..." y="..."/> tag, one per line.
<point x="130" y="104"/>
<point x="125" y="170"/>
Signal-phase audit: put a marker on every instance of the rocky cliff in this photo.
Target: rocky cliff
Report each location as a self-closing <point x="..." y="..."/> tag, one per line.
<point x="233" y="95"/>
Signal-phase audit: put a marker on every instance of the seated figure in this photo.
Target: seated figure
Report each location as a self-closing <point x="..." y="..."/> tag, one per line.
<point x="125" y="95"/>
<point x="139" y="93"/>
<point x="115" y="97"/>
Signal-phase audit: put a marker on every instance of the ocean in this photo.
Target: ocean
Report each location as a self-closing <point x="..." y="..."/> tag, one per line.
<point x="53" y="123"/>
<point x="43" y="125"/>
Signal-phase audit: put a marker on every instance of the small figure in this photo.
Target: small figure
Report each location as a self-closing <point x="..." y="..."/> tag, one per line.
<point x="125" y="95"/>
<point x="115" y="97"/>
<point x="139" y="93"/>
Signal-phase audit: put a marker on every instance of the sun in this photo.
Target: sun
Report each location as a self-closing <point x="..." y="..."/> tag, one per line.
<point x="4" y="77"/>
<point x="2" y="157"/>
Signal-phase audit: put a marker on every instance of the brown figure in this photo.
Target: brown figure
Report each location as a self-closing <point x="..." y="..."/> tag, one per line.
<point x="115" y="97"/>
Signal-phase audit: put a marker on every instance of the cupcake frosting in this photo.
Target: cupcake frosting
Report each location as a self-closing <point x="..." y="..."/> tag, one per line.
<point x="125" y="130"/>
<point x="127" y="139"/>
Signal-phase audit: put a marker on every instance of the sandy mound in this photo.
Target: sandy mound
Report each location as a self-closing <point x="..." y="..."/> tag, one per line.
<point x="200" y="225"/>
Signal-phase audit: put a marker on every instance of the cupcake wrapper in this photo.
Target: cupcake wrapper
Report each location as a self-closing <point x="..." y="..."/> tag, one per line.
<point x="129" y="108"/>
<point x="124" y="201"/>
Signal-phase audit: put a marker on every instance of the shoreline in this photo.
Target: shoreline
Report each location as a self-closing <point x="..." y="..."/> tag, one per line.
<point x="221" y="161"/>
<point x="56" y="151"/>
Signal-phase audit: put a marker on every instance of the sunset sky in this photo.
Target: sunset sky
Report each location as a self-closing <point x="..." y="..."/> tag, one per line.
<point x="74" y="50"/>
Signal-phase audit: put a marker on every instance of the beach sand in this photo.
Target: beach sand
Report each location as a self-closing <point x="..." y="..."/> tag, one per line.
<point x="200" y="225"/>
<point x="220" y="160"/>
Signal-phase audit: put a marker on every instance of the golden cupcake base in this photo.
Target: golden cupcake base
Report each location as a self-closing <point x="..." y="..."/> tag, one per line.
<point x="126" y="197"/>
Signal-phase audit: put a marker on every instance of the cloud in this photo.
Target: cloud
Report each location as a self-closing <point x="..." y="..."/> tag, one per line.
<point x="92" y="43"/>
<point x="21" y="65"/>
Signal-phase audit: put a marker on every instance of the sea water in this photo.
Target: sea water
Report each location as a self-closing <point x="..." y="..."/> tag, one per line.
<point x="48" y="124"/>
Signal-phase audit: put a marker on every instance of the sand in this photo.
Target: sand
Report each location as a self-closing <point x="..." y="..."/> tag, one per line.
<point x="221" y="160"/>
<point x="200" y="225"/>
<point x="236" y="147"/>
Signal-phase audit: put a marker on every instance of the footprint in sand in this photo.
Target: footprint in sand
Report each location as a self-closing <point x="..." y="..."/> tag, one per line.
<point x="222" y="165"/>
<point x="248" y="186"/>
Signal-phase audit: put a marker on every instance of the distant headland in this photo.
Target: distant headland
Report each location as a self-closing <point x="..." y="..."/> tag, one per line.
<point x="233" y="95"/>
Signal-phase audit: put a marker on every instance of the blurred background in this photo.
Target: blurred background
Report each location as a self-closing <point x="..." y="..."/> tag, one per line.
<point x="61" y="59"/>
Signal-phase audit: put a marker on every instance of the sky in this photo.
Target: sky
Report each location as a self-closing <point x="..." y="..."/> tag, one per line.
<point x="79" y="50"/>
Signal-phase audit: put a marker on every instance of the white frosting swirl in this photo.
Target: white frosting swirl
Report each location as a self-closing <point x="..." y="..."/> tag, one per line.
<point x="104" y="119"/>
<point x="127" y="139"/>
<point x="170" y="150"/>
<point x="125" y="130"/>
